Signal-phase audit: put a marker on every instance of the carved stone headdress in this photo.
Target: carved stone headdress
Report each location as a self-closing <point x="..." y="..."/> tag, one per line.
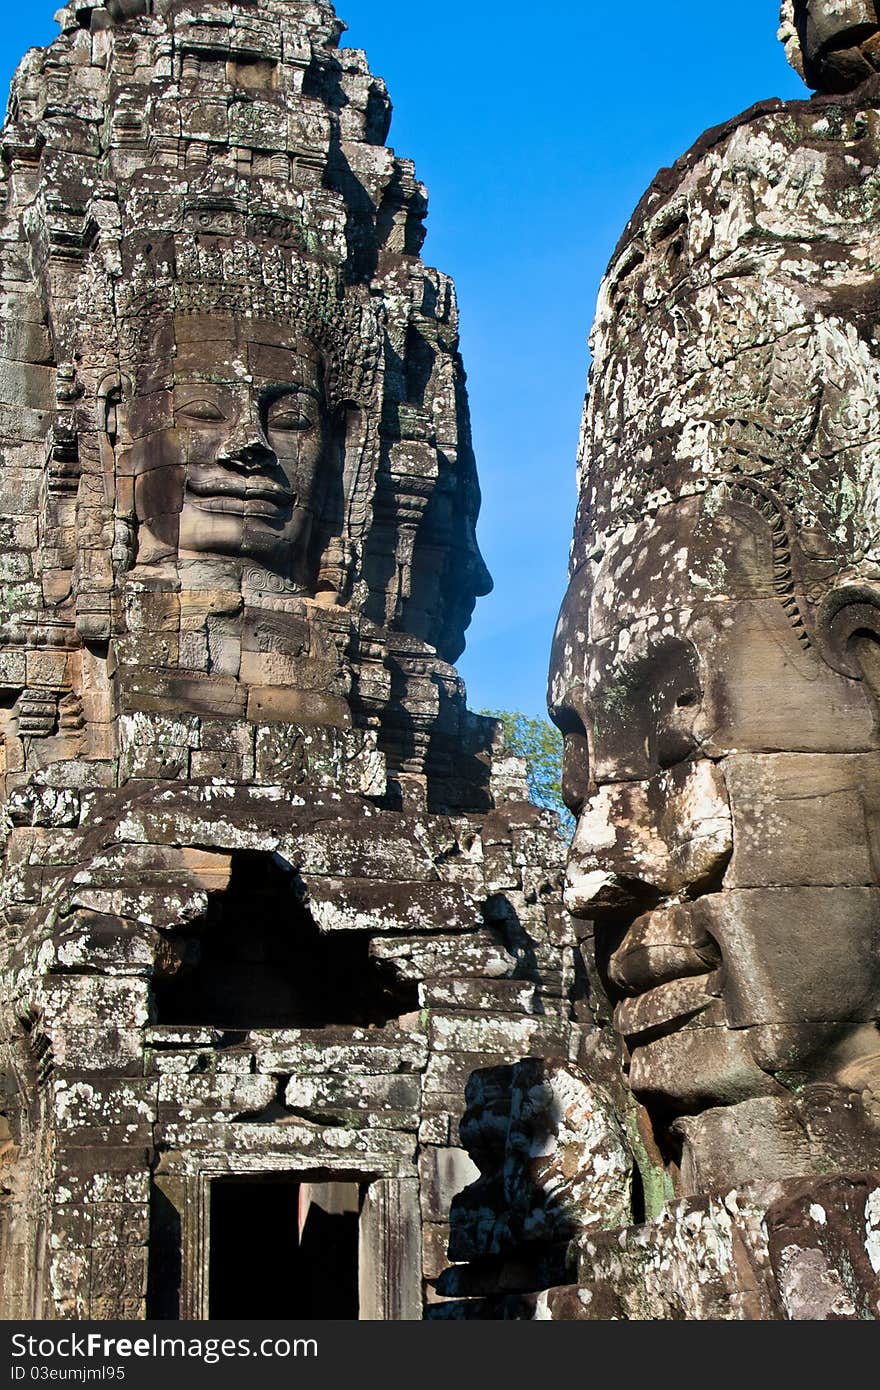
<point x="736" y="346"/>
<point x="223" y="269"/>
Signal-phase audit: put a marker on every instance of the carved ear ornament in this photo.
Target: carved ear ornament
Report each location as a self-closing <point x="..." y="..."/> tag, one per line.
<point x="750" y="494"/>
<point x="847" y="614"/>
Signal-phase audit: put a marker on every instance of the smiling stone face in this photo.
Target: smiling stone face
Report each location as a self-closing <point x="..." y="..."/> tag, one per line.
<point x="725" y="781"/>
<point x="715" y="670"/>
<point x="231" y="460"/>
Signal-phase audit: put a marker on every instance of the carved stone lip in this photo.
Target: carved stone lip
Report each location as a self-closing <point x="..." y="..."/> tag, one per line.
<point x="638" y="972"/>
<point x="656" y="952"/>
<point x="663" y="1009"/>
<point x="238" y="496"/>
<point x="668" y="971"/>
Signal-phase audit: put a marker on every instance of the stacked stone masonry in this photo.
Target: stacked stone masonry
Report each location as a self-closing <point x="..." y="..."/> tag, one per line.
<point x="713" y="1148"/>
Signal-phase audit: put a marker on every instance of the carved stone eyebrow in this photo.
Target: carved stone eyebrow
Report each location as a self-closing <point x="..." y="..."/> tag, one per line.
<point x="278" y="390"/>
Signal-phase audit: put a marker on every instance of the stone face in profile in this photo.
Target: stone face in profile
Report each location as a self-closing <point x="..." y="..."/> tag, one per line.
<point x="833" y="44"/>
<point x="714" y="668"/>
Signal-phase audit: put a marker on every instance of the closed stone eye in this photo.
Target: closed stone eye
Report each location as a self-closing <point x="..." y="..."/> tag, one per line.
<point x="291" y="421"/>
<point x="202" y="412"/>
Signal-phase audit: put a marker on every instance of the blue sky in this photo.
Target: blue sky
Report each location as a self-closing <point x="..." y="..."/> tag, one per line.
<point x="536" y="128"/>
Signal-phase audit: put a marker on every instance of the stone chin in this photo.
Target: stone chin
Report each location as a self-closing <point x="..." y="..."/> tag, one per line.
<point x="741" y="995"/>
<point x="699" y="1070"/>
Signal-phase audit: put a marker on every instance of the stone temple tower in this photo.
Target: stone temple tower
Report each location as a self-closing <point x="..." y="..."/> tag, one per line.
<point x="270" y="893"/>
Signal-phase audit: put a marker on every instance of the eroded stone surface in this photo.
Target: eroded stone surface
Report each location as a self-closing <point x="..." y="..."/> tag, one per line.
<point x="715" y="674"/>
<point x="833" y="44"/>
<point x="274" y="903"/>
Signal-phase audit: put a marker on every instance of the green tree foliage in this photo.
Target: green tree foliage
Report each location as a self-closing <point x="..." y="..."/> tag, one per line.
<point x="541" y="744"/>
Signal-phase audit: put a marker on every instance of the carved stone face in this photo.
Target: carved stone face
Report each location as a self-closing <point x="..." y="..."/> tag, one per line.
<point x="838" y="41"/>
<point x="728" y="841"/>
<point x="230" y="460"/>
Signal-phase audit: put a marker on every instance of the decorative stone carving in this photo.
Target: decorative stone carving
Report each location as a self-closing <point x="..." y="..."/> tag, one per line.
<point x="715" y="667"/>
<point x="554" y="1165"/>
<point x="715" y="673"/>
<point x="243" y="405"/>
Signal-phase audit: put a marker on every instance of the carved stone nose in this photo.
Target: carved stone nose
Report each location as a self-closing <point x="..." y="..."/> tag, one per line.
<point x="650" y="839"/>
<point x="247" y="456"/>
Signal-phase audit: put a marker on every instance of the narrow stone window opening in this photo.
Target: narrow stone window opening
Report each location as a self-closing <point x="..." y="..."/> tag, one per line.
<point x="257" y="959"/>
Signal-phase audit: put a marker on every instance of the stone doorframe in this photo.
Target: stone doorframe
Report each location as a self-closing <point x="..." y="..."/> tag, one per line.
<point x="390" y="1240"/>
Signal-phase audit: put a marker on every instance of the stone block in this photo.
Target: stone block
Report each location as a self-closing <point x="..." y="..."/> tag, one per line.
<point x="363" y="905"/>
<point x="444" y="1173"/>
<point x="803" y="819"/>
<point x="268" y="704"/>
<point x="387" y="1102"/>
<point x="504" y="1037"/>
<point x="227" y="1097"/>
<point x="13" y="668"/>
<point x="795" y="955"/>
<point x="514" y="997"/>
<point x="383" y="1052"/>
<point x="228" y="766"/>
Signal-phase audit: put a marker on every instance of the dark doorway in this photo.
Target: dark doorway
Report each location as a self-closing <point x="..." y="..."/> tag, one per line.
<point x="283" y="1249"/>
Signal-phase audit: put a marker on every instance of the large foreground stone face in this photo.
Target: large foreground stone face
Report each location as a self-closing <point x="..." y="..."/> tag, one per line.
<point x="715" y="673"/>
<point x="715" y="668"/>
<point x="270" y="893"/>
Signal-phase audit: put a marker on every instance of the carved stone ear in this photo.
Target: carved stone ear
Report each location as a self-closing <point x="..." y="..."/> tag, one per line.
<point x="847" y="623"/>
<point x="114" y="392"/>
